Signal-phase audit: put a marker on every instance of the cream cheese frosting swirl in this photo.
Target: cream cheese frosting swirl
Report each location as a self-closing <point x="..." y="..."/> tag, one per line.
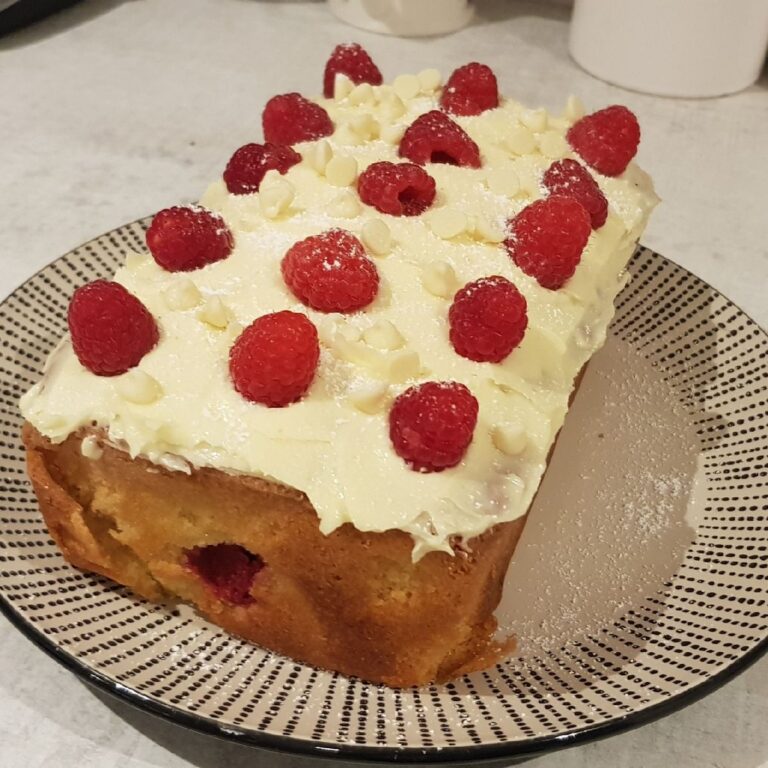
<point x="179" y="408"/>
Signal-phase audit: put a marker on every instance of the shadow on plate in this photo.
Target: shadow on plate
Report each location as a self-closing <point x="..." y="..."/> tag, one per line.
<point x="612" y="520"/>
<point x="617" y="511"/>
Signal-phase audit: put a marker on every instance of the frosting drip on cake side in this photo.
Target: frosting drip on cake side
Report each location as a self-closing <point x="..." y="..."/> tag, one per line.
<point x="334" y="443"/>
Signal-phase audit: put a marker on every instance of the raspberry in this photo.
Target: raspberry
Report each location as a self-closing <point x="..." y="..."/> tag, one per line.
<point x="606" y="140"/>
<point x="111" y="329"/>
<point x="400" y="189"/>
<point x="431" y="425"/>
<point x="488" y="319"/>
<point x="330" y="272"/>
<point x="183" y="239"/>
<point x="352" y="60"/>
<point x="273" y="361"/>
<point x="470" y="90"/>
<point x="248" y="166"/>
<point x="290" y="118"/>
<point x="547" y="237"/>
<point x="228" y="569"/>
<point x="569" y="178"/>
<point x="435" y="138"/>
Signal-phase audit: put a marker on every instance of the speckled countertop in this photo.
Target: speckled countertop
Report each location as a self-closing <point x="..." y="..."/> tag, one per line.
<point x="117" y="108"/>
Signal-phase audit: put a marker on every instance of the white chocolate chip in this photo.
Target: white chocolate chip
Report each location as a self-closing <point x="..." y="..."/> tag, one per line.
<point x="561" y="124"/>
<point x="380" y="92"/>
<point x="276" y="197"/>
<point x="365" y="127"/>
<point x="234" y="329"/>
<point x="406" y="86"/>
<point x="391" y="108"/>
<point x="361" y="94"/>
<point x="429" y="80"/>
<point x="353" y="350"/>
<point x="138" y="387"/>
<point x="342" y="86"/>
<point x="530" y="182"/>
<point x="345" y="206"/>
<point x="214" y="313"/>
<point x="520" y="141"/>
<point x="383" y="335"/>
<point x="272" y="176"/>
<point x="341" y="170"/>
<point x="181" y="295"/>
<point x="136" y="260"/>
<point x="553" y="145"/>
<point x="350" y="333"/>
<point x="439" y="278"/>
<point x="402" y="365"/>
<point x="392" y="134"/>
<point x="509" y="438"/>
<point x="574" y="109"/>
<point x="376" y="237"/>
<point x="447" y="223"/>
<point x="171" y="462"/>
<point x="368" y="395"/>
<point x="317" y="155"/>
<point x="487" y="230"/>
<point x="503" y="180"/>
<point x="392" y="366"/>
<point x="215" y="197"/>
<point x="535" y="119"/>
<point x="346" y="136"/>
<point x="90" y="448"/>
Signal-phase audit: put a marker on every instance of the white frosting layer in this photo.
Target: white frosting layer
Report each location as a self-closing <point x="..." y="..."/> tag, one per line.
<point x="334" y="444"/>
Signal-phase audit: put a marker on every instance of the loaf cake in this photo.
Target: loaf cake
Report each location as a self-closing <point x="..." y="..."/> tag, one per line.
<point x="319" y="406"/>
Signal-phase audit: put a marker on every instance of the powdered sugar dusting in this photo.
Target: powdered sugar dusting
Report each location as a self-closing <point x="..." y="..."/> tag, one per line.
<point x="608" y="527"/>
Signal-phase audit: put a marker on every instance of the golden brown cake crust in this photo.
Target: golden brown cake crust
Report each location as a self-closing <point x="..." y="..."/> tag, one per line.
<point x="349" y="601"/>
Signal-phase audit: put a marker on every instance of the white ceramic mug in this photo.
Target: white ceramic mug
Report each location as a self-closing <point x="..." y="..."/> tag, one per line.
<point x="672" y="47"/>
<point x="406" y="18"/>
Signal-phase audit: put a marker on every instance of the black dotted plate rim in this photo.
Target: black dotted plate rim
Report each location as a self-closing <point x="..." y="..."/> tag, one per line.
<point x="436" y="755"/>
<point x="433" y="755"/>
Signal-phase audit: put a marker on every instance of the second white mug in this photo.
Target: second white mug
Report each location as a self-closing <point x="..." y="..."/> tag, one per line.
<point x="672" y="47"/>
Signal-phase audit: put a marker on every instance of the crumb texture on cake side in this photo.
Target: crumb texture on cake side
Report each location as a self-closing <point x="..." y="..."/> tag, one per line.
<point x="350" y="601"/>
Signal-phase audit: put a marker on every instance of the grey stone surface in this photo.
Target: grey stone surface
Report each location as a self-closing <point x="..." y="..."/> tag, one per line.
<point x="114" y="109"/>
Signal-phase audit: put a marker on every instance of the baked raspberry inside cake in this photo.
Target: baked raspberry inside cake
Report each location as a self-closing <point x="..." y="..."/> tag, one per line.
<point x="319" y="406"/>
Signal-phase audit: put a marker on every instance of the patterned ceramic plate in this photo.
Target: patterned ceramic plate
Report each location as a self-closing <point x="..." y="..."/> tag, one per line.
<point x="639" y="584"/>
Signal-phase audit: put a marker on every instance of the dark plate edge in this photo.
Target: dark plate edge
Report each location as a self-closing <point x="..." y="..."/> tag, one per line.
<point x="327" y="750"/>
